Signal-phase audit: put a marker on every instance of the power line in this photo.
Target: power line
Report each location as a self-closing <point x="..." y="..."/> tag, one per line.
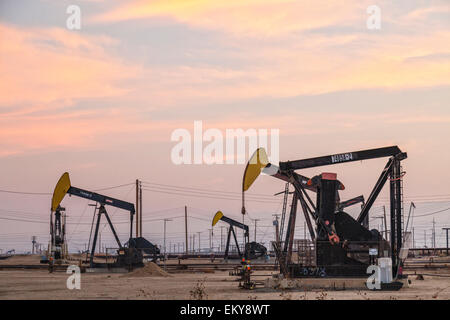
<point x="207" y="190"/>
<point x="197" y="194"/>
<point x="114" y="187"/>
<point x="49" y="194"/>
<point x="209" y="193"/>
<point x="117" y="222"/>
<point x="431" y="213"/>
<point x="23" y="220"/>
<point x="116" y="209"/>
<point x="27" y="193"/>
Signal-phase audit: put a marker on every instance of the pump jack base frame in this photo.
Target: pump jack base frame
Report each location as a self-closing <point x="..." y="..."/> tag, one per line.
<point x="393" y="286"/>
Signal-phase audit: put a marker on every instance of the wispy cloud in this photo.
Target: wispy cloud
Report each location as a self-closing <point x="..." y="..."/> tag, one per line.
<point x="44" y="66"/>
<point x="46" y="74"/>
<point x="249" y="17"/>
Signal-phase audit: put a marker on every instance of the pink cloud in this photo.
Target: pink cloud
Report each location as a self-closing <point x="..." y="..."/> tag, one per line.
<point x="249" y="17"/>
<point x="41" y="66"/>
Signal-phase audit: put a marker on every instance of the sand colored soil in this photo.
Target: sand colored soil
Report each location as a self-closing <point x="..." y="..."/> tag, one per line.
<point x="42" y="285"/>
<point x="149" y="270"/>
<point x="151" y="282"/>
<point x="22" y="260"/>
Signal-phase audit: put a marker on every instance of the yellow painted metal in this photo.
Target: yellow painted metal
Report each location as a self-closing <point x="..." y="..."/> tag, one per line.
<point x="217" y="217"/>
<point x="257" y="162"/>
<point x="61" y="189"/>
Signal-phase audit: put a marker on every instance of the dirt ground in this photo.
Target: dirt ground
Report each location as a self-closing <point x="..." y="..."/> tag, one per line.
<point x="21" y="259"/>
<point x="218" y="286"/>
<point x="153" y="284"/>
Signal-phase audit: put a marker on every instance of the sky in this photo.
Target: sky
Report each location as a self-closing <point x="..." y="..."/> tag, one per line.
<point x="102" y="102"/>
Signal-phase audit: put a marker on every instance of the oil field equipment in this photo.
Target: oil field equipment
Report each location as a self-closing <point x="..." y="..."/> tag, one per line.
<point x="127" y="256"/>
<point x="149" y="250"/>
<point x="245" y="281"/>
<point x="344" y="246"/>
<point x="58" y="245"/>
<point x="253" y="250"/>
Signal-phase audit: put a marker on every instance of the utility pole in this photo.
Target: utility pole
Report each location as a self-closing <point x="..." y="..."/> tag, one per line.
<point x="210" y="239"/>
<point x="140" y="208"/>
<point x="221" y="238"/>
<point x="256" y="220"/>
<point x="186" y="229"/>
<point x="243" y="233"/>
<point x="425" y="238"/>
<point x="137" y="208"/>
<point x="382" y="222"/>
<point x="221" y="233"/>
<point x="276" y="224"/>
<point x="385" y="222"/>
<point x="165" y="220"/>
<point x="434" y="234"/>
<point x="199" y="244"/>
<point x="33" y="243"/>
<point x="414" y="241"/>
<point x="446" y="231"/>
<point x="193" y="243"/>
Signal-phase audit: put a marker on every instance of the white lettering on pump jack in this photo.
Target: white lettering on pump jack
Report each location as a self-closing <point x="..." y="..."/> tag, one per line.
<point x="342" y="157"/>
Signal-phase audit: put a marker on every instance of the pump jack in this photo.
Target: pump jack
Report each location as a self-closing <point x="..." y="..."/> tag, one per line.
<point x="253" y="250"/>
<point x="127" y="256"/>
<point x="341" y="241"/>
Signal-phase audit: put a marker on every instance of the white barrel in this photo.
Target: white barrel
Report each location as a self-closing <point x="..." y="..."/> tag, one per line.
<point x="385" y="265"/>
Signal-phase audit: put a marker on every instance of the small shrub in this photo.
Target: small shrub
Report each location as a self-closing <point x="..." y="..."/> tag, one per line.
<point x="198" y="292"/>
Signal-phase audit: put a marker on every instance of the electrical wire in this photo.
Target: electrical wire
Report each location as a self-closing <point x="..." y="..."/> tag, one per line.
<point x="188" y="194"/>
<point x="431" y="213"/>
<point x="79" y="220"/>
<point x="208" y="190"/>
<point x="23" y="216"/>
<point x="27" y="193"/>
<point x="23" y="220"/>
<point x="116" y="209"/>
<point x="49" y="194"/>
